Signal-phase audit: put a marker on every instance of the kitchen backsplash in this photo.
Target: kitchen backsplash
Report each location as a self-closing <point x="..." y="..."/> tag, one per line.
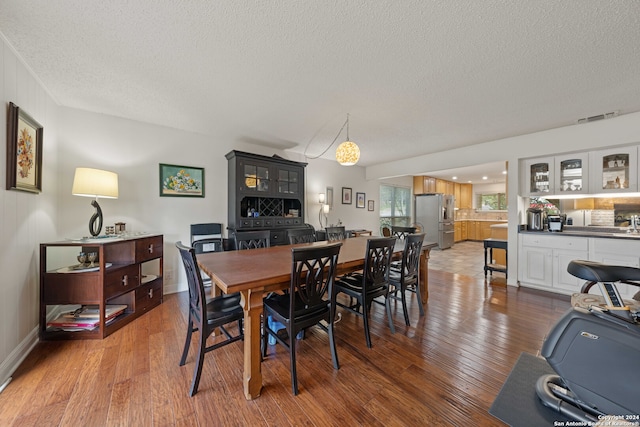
<point x="486" y="215"/>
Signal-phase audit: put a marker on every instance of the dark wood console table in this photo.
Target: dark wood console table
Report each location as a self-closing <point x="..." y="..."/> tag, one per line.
<point x="126" y="274"/>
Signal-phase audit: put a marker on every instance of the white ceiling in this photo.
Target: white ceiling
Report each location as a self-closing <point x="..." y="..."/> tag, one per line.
<point x="416" y="76"/>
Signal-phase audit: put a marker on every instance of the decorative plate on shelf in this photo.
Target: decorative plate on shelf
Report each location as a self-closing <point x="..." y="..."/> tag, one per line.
<point x="81" y="268"/>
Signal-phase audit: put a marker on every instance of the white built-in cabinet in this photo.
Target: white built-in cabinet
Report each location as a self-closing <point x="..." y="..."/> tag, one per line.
<point x="539" y="176"/>
<point x="563" y="174"/>
<point x="613" y="170"/>
<point x="618" y="252"/>
<point x="572" y="174"/>
<point x="543" y="259"/>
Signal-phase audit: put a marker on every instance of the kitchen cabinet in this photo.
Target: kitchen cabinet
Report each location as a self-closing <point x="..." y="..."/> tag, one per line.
<point x="265" y="193"/>
<point x="499" y="231"/>
<point x="424" y="185"/>
<point x="571" y="174"/>
<point x="444" y="187"/>
<point x="126" y="273"/>
<point x="457" y="231"/>
<point x="466" y="196"/>
<point x="472" y="230"/>
<point x="538" y="177"/>
<point x="617" y="252"/>
<point x="543" y="261"/>
<point x="614" y="170"/>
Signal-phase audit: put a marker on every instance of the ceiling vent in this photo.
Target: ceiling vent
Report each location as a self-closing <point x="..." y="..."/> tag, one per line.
<point x="598" y="117"/>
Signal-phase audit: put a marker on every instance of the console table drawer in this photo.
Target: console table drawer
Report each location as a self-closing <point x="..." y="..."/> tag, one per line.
<point x="148" y="296"/>
<point x="121" y="281"/>
<point x="148" y="248"/>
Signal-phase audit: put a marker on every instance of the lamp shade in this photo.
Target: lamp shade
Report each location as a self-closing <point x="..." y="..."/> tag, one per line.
<point x="348" y="153"/>
<point x="95" y="183"/>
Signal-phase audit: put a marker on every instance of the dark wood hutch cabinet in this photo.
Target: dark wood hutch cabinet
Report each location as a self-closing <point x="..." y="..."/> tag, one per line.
<point x="265" y="193"/>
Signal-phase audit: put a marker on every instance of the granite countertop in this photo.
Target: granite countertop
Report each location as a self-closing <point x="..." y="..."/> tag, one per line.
<point x="501" y="225"/>
<point x="483" y="220"/>
<point x="593" y="231"/>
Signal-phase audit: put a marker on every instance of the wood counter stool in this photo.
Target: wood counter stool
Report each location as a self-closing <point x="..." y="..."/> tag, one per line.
<point x="488" y="262"/>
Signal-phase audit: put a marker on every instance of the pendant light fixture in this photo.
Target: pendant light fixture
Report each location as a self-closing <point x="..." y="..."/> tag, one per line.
<point x="348" y="153"/>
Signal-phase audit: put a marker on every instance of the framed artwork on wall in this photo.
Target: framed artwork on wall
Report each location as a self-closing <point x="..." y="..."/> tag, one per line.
<point x="346" y="196"/>
<point x="370" y="205"/>
<point x="181" y="181"/>
<point x="360" y="200"/>
<point x="24" y="151"/>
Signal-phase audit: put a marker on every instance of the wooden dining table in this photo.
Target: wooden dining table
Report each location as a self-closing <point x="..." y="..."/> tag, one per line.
<point x="258" y="271"/>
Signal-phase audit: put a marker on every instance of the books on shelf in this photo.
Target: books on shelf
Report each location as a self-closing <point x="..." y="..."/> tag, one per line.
<point x="86" y="318"/>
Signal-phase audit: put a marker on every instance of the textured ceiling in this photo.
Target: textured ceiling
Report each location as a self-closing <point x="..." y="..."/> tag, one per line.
<point x="416" y="76"/>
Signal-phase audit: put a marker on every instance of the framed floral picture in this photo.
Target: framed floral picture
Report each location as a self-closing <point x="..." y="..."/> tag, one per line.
<point x="370" y="205"/>
<point x="346" y="196"/>
<point x="181" y="181"/>
<point x="360" y="200"/>
<point x="24" y="151"/>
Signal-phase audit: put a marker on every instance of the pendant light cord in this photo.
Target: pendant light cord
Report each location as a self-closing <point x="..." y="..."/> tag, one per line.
<point x="346" y="123"/>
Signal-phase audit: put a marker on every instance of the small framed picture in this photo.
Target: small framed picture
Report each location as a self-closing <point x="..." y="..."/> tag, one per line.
<point x="24" y="151"/>
<point x="346" y="196"/>
<point x="360" y="200"/>
<point x="181" y="181"/>
<point x="370" y="205"/>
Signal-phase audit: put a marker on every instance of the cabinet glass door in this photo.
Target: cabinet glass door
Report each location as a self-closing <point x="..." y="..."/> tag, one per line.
<point x="539" y="178"/>
<point x="287" y="181"/>
<point x="615" y="171"/>
<point x="256" y="178"/>
<point x="571" y="175"/>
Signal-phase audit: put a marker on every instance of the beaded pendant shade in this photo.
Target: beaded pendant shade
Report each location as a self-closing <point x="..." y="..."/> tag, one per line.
<point x="348" y="153"/>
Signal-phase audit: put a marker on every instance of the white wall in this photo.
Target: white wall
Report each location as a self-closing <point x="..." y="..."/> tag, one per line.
<point x="134" y="151"/>
<point x="27" y="218"/>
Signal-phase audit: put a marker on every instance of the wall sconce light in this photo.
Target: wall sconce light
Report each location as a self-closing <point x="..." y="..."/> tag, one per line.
<point x="324" y="210"/>
<point x="96" y="183"/>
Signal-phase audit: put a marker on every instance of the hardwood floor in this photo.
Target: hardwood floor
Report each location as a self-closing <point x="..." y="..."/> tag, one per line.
<point x="445" y="369"/>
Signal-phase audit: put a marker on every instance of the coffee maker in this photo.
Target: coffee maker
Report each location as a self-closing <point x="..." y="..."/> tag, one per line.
<point x="535" y="219"/>
<point x="555" y="222"/>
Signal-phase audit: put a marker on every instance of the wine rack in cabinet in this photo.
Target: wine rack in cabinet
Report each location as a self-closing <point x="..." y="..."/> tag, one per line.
<point x="90" y="289"/>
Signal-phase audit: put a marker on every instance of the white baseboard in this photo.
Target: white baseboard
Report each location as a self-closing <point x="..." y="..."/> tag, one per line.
<point x="17" y="356"/>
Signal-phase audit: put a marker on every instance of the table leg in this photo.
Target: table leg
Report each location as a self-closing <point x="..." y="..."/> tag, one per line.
<point x="424" y="275"/>
<point x="252" y="376"/>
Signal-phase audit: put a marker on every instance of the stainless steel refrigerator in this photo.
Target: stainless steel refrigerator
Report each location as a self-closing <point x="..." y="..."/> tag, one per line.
<point x="435" y="212"/>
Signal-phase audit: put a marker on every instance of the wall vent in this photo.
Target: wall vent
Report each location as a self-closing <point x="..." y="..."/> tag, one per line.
<point x="598" y="117"/>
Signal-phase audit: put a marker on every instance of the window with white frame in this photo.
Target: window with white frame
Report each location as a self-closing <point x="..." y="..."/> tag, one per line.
<point x="395" y="206"/>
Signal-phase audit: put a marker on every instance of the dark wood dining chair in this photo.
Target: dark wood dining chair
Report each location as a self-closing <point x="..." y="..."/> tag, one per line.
<point x="301" y="235"/>
<point x="405" y="276"/>
<point x="206" y="237"/>
<point x="310" y="300"/>
<point x="402" y="232"/>
<point x="252" y="239"/>
<point x="372" y="283"/>
<point x="335" y="233"/>
<point x="206" y="315"/>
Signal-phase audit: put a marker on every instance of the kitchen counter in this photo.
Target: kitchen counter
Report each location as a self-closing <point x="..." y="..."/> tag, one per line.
<point x="598" y="232"/>
<point x="482" y="220"/>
